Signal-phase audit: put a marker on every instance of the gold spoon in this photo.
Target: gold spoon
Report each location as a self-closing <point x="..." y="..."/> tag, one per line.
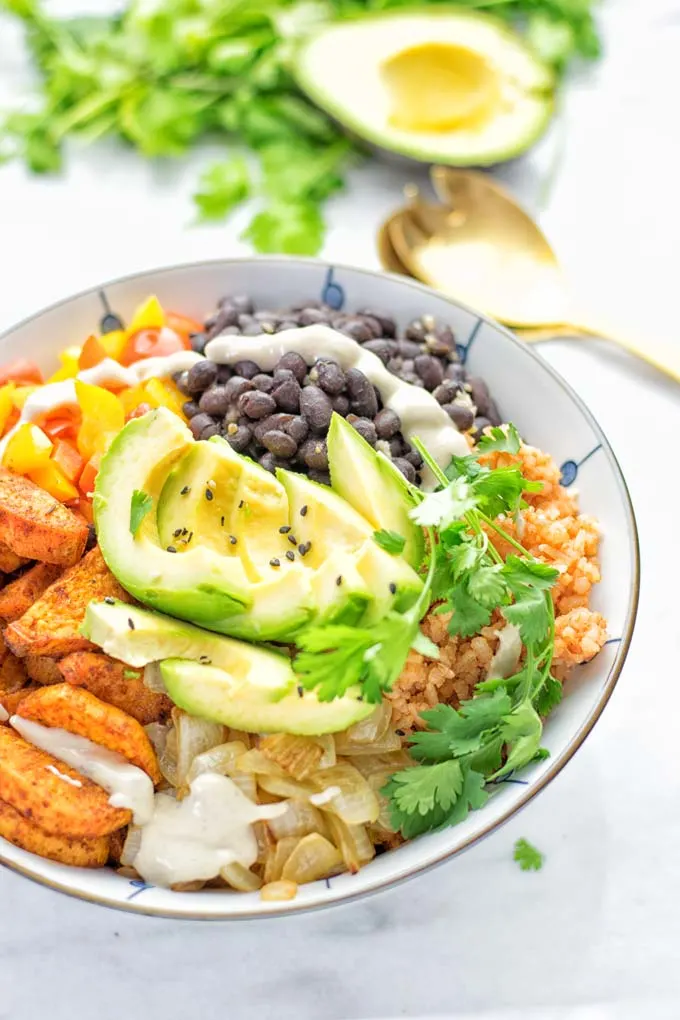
<point x="483" y="248"/>
<point x="391" y="262"/>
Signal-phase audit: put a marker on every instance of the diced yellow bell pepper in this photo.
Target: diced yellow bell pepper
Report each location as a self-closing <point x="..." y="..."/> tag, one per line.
<point x="53" y="480"/>
<point x="103" y="418"/>
<point x="149" y="315"/>
<point x="21" y="395"/>
<point x="114" y="342"/>
<point x="133" y="397"/>
<point x="164" y="393"/>
<point x="69" y="358"/>
<point x="28" y="449"/>
<point x="6" y="403"/>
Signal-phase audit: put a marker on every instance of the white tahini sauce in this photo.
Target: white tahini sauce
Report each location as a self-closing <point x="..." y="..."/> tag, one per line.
<point x="63" y="394"/>
<point x="418" y="410"/>
<point x="506" y="657"/>
<point x="318" y="799"/>
<point x="129" y="786"/>
<point x="62" y="775"/>
<point x="195" y="838"/>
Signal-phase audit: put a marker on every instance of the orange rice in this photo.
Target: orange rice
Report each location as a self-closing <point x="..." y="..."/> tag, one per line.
<point x="553" y="530"/>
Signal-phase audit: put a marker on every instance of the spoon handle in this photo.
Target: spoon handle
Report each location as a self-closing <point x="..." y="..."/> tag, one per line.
<point x="661" y="355"/>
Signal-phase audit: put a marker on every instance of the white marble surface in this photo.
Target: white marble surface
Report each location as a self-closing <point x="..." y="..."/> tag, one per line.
<point x="596" y="933"/>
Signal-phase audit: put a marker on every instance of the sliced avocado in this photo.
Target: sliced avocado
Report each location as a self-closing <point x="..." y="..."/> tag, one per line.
<point x="373" y="486"/>
<point x="215" y="677"/>
<point x="280" y="606"/>
<point x="257" y="705"/>
<point x="439" y="86"/>
<point x="341" y="594"/>
<point x="393" y="583"/>
<point x="197" y="584"/>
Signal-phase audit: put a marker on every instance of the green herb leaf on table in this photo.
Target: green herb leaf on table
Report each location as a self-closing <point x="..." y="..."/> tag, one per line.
<point x="527" y="856"/>
<point x="140" y="505"/>
<point x="390" y="541"/>
<point x="292" y="227"/>
<point x="223" y="186"/>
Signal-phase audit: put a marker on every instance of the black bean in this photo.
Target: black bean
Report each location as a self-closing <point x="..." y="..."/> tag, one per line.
<point x="461" y="415"/>
<point x="224" y="373"/>
<point x="287" y="395"/>
<point x="190" y="408"/>
<point x="381" y="348"/>
<point x="220" y="321"/>
<point x="252" y="328"/>
<point x="182" y="380"/>
<point x="408" y="349"/>
<point x="263" y="382"/>
<point x="293" y="362"/>
<point x="209" y="431"/>
<point x="395" y="365"/>
<point x="365" y="428"/>
<point x="480" y="424"/>
<point x="256" y="404"/>
<point x="297" y="429"/>
<point x="322" y="477"/>
<point x="200" y="376"/>
<point x="387" y="423"/>
<point x="198" y="423"/>
<point x="416" y="330"/>
<point x="387" y="323"/>
<point x="445" y="392"/>
<point x="286" y="324"/>
<point x="215" y="401"/>
<point x="357" y="329"/>
<point x="396" y="444"/>
<point x="238" y="437"/>
<point x="373" y="324"/>
<point x="268" y="462"/>
<point x="198" y="342"/>
<point x="246" y="369"/>
<point x="440" y="341"/>
<point x="407" y="469"/>
<point x="236" y="386"/>
<point x="430" y="370"/>
<point x="308" y="304"/>
<point x="362" y="396"/>
<point x="316" y="407"/>
<point x="314" y="453"/>
<point x="339" y="319"/>
<point x="311" y="316"/>
<point x="274" y="421"/>
<point x="456" y="371"/>
<point x="241" y="304"/>
<point x="279" y="444"/>
<point x="330" y="376"/>
<point x="267" y="316"/>
<point x="232" y="417"/>
<point x="480" y="394"/>
<point x="340" y="404"/>
<point x="413" y="457"/>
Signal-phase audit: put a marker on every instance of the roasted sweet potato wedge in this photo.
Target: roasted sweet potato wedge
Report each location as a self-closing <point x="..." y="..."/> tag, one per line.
<point x="116" y="684"/>
<point x="76" y="710"/>
<point x="37" y="526"/>
<point x="52" y="625"/>
<point x="80" y="853"/>
<point x="18" y="596"/>
<point x="11" y="702"/>
<point x="31" y="781"/>
<point x="9" y="561"/>
<point x="13" y="675"/>
<point x="43" y="669"/>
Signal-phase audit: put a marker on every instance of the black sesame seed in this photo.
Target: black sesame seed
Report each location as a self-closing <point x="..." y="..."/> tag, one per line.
<point x="302" y="549"/>
<point x="109" y="601"/>
<point x="393" y="588"/>
<point x="400" y="733"/>
<point x="177" y="532"/>
<point x="171" y="548"/>
<point x="233" y="539"/>
<point x="241" y="504"/>
<point x="290" y="555"/>
<point x="209" y="494"/>
<point x="300" y="691"/>
<point x="292" y="539"/>
<point x="338" y="580"/>
<point x="274" y="562"/>
<point x="131" y="623"/>
<point x="185" y="491"/>
<point x="284" y="529"/>
<point x="221" y="522"/>
<point x="205" y="659"/>
<point x="303" y="510"/>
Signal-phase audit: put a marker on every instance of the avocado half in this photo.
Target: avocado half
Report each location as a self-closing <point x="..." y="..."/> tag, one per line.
<point x="438" y="86"/>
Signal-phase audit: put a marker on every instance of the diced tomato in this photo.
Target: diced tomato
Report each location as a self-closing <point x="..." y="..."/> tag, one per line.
<point x="89" y="473"/>
<point x="139" y="411"/>
<point x="22" y="371"/>
<point x="62" y="425"/>
<point x="182" y="324"/>
<point x="91" y="354"/>
<point x="153" y="343"/>
<point x="67" y="458"/>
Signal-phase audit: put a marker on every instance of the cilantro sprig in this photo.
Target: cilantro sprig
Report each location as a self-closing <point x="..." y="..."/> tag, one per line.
<point x="140" y="505"/>
<point x="528" y="856"/>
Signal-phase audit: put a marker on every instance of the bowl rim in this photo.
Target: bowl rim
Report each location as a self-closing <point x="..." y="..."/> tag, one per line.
<point x="287" y="908"/>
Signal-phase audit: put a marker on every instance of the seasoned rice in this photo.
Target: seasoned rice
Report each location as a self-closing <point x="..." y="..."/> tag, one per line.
<point x="551" y="529"/>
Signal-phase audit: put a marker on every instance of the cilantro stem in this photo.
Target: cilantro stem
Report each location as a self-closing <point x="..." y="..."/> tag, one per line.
<point x="502" y="532"/>
<point x="430" y="461"/>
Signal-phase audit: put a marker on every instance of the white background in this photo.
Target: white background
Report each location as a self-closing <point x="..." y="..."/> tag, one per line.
<point x="596" y="934"/>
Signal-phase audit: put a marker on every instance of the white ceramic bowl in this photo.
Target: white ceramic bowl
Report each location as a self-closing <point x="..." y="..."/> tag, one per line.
<point x="529" y="393"/>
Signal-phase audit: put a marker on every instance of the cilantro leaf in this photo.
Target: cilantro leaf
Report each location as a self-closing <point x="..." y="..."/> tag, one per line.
<point x="527" y="856"/>
<point x="487" y="586"/>
<point x="445" y="506"/>
<point x="531" y="614"/>
<point x="140" y="505"/>
<point x="529" y="572"/>
<point x="295" y="228"/>
<point x="522" y="730"/>
<point x="503" y="438"/>
<point x="390" y="541"/>
<point x="222" y="187"/>
<point x="469" y="615"/>
<point x="548" y="697"/>
<point x="458" y="733"/>
<point x="429" y="797"/>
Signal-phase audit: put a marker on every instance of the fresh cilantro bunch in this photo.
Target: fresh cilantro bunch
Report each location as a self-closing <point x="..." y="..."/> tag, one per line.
<point x="163" y="75"/>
